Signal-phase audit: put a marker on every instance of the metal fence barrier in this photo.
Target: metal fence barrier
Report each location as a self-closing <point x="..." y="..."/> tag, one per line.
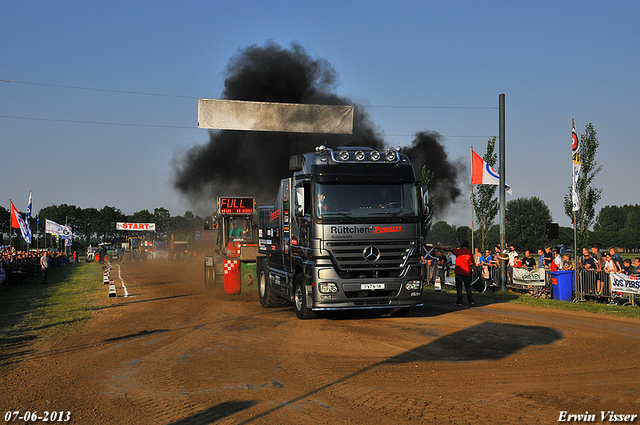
<point x="585" y="286"/>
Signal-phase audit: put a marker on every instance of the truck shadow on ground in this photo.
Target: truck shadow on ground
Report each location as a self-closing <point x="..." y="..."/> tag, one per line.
<point x="215" y="413"/>
<point x="485" y="341"/>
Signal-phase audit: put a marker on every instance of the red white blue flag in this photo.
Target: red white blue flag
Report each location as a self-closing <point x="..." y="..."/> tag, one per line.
<point x="483" y="173"/>
<point x="29" y="209"/>
<point x="18" y="222"/>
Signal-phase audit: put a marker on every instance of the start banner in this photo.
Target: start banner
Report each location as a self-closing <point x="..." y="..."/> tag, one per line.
<point x="535" y="277"/>
<point x="136" y="226"/>
<point x="623" y="283"/>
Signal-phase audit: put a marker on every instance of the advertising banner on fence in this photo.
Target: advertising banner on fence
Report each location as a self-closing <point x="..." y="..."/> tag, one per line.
<point x="535" y="277"/>
<point x="623" y="283"/>
<point x="136" y="226"/>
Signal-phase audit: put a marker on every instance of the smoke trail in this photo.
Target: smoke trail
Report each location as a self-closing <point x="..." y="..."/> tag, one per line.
<point x="427" y="149"/>
<point x="243" y="163"/>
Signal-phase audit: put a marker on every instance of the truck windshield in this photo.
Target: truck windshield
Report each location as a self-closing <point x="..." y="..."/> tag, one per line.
<point x="366" y="200"/>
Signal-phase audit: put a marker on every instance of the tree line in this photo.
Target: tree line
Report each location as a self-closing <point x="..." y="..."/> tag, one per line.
<point x="91" y="225"/>
<point x="526" y="228"/>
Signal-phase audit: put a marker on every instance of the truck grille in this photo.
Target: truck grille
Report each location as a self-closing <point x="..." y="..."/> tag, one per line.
<point x="349" y="256"/>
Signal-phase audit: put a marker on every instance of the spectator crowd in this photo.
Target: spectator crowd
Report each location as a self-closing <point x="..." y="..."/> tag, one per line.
<point x="19" y="265"/>
<point x="441" y="261"/>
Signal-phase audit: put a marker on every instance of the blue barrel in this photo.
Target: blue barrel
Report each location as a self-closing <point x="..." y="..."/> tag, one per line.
<point x="562" y="283"/>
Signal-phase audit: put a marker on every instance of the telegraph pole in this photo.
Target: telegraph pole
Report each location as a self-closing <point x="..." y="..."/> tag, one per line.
<point x="503" y="209"/>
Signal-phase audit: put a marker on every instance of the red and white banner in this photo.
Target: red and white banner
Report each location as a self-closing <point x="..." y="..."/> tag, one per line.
<point x="136" y="226"/>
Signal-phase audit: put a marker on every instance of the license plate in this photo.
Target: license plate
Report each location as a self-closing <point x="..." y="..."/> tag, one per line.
<point x="369" y="286"/>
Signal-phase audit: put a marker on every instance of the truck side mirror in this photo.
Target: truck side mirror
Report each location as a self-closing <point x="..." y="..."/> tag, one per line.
<point x="425" y="200"/>
<point x="299" y="209"/>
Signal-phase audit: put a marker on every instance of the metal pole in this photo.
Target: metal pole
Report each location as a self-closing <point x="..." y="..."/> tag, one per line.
<point x="472" y="212"/>
<point x="575" y="231"/>
<point x="503" y="243"/>
<point x="10" y="228"/>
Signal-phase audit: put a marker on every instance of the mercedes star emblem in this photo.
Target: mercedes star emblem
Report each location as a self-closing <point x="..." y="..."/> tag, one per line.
<point x="371" y="254"/>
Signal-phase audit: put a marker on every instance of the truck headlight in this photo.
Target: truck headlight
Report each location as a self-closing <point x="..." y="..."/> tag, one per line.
<point x="413" y="285"/>
<point x="328" y="288"/>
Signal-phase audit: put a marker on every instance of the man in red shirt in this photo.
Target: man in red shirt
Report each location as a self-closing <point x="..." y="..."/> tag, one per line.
<point x="464" y="262"/>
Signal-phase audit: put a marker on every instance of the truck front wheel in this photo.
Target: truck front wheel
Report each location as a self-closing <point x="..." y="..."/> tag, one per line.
<point x="300" y="299"/>
<point x="268" y="298"/>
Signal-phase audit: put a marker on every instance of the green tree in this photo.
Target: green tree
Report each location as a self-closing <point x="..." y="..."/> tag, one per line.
<point x="87" y="227"/>
<point x="443" y="234"/>
<point x="184" y="227"/>
<point x="588" y="196"/>
<point x="106" y="224"/>
<point x="610" y="218"/>
<point x="161" y="216"/>
<point x="4" y="222"/>
<point x="526" y="223"/>
<point x="493" y="238"/>
<point x="485" y="204"/>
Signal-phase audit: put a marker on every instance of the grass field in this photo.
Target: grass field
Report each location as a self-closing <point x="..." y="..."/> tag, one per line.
<point x="526" y="299"/>
<point x="33" y="310"/>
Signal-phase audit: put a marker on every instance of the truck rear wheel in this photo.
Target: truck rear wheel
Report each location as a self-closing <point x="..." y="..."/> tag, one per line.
<point x="300" y="299"/>
<point x="268" y="298"/>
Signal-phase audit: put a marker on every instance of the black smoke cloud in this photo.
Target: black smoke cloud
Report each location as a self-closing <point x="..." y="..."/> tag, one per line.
<point x="247" y="163"/>
<point x="428" y="149"/>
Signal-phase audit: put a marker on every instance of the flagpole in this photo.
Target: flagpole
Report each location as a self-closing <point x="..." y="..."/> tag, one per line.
<point x="575" y="226"/>
<point x="472" y="209"/>
<point x="10" y="217"/>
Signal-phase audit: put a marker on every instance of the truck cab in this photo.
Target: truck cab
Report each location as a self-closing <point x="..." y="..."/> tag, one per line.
<point x="344" y="233"/>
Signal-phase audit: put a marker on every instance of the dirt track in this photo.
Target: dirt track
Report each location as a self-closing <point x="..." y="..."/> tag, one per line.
<point x="174" y="352"/>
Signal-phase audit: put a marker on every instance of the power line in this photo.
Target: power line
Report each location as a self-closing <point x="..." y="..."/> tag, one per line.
<point x="430" y="107"/>
<point x="182" y="126"/>
<point x="196" y="97"/>
<point x="96" y="89"/>
<point x="95" y="122"/>
<point x="444" y="135"/>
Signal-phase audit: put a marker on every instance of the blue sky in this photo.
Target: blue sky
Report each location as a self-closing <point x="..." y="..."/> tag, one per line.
<point x="554" y="61"/>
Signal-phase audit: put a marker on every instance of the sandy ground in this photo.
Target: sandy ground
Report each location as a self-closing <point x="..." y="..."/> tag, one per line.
<point x="174" y="352"/>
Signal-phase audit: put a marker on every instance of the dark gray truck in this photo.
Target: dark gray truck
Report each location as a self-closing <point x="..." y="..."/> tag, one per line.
<point x="344" y="234"/>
